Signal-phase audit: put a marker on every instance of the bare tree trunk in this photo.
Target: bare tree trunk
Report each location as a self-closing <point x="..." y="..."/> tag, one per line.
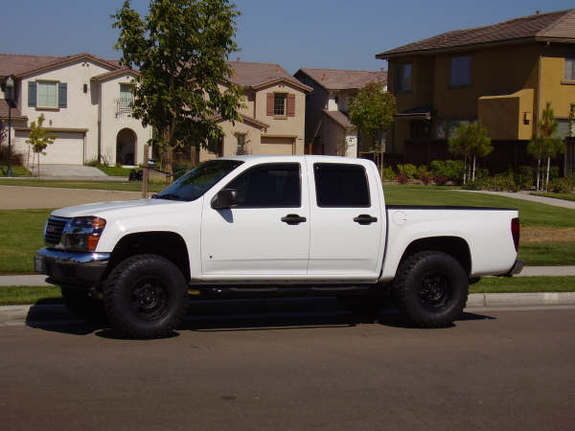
<point x="538" y="174"/>
<point x="38" y="164"/>
<point x="474" y="162"/>
<point x="465" y="170"/>
<point x="547" y="176"/>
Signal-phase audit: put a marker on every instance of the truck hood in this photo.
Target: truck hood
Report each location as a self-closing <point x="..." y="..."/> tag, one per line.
<point x="103" y="208"/>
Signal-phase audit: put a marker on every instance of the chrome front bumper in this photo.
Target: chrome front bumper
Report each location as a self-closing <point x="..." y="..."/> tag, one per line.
<point x="71" y="268"/>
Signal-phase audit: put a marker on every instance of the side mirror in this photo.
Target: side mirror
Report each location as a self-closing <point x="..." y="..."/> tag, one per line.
<point x="225" y="199"/>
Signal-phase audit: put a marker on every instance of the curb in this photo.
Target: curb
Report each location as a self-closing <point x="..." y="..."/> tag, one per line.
<point x="17" y="314"/>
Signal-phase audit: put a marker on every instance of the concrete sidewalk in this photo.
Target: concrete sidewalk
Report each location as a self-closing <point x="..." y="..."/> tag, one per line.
<point x="528" y="271"/>
<point x="523" y="195"/>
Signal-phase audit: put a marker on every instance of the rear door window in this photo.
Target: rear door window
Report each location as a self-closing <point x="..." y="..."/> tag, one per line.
<point x="339" y="185"/>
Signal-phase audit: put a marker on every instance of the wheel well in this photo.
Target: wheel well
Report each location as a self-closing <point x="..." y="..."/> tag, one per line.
<point x="167" y="244"/>
<point x="454" y="246"/>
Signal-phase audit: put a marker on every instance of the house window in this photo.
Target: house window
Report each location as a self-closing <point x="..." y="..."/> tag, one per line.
<point x="570" y="68"/>
<point x="280" y="104"/>
<point x="404" y="77"/>
<point x="126" y="100"/>
<point x="47" y="94"/>
<point x="460" y="72"/>
<point x="241" y="144"/>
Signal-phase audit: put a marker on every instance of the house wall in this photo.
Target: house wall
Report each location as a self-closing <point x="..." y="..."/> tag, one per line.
<point x="253" y="140"/>
<point x="82" y="108"/>
<point x="554" y="88"/>
<point x="283" y="126"/>
<point x="316" y="102"/>
<point x="113" y="122"/>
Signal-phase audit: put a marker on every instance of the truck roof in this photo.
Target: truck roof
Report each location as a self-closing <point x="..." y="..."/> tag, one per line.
<point x="285" y="158"/>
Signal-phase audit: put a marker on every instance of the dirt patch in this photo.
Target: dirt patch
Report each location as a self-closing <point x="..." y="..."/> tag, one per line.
<point x="539" y="234"/>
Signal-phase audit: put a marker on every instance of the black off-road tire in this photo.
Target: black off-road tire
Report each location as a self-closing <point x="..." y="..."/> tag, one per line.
<point x="431" y="289"/>
<point x="145" y="296"/>
<point x="83" y="305"/>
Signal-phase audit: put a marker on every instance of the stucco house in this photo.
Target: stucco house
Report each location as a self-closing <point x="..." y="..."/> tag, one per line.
<point x="328" y="129"/>
<point x="501" y="75"/>
<point x="86" y="102"/>
<point x="273" y="113"/>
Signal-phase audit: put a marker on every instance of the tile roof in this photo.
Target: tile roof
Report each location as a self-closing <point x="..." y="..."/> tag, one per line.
<point x="340" y="118"/>
<point x="251" y="74"/>
<point x="341" y="79"/>
<point x="15" y="114"/>
<point x="18" y="64"/>
<point x="546" y="26"/>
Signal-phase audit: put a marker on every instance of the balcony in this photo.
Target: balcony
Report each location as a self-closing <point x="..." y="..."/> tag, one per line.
<point x="508" y="117"/>
<point x="124" y="106"/>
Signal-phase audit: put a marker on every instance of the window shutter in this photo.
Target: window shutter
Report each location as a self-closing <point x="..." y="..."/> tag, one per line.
<point x="31" y="94"/>
<point x="291" y="105"/>
<point x="270" y="105"/>
<point x="62" y="95"/>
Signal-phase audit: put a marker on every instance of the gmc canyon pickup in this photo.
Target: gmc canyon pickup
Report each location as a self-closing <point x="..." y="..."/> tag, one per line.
<point x="271" y="225"/>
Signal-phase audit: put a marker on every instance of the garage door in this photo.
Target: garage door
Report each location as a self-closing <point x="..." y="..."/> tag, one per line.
<point x="67" y="149"/>
<point x="280" y="146"/>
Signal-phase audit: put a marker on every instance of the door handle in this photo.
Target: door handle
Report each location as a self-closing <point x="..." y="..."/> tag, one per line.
<point x="292" y="219"/>
<point x="365" y="219"/>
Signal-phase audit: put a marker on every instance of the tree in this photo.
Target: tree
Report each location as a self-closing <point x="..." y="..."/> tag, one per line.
<point x="471" y="142"/>
<point x="372" y="111"/>
<point x="38" y="139"/>
<point x="545" y="144"/>
<point x="184" y="83"/>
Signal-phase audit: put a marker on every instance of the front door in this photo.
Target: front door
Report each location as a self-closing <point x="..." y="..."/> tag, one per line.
<point x="266" y="235"/>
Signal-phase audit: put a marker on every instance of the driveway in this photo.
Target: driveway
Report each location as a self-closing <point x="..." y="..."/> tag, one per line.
<point x="16" y="197"/>
<point x="70" y="171"/>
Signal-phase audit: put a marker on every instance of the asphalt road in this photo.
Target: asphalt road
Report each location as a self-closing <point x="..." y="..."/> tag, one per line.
<point x="494" y="370"/>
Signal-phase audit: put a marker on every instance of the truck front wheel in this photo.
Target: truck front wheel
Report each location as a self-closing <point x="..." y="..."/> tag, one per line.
<point x="431" y="289"/>
<point x="145" y="296"/>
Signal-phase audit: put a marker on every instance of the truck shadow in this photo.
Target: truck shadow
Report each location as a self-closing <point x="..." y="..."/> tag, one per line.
<point x="239" y="315"/>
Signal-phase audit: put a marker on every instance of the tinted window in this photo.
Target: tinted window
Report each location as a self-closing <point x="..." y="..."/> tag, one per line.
<point x="339" y="185"/>
<point x="274" y="185"/>
<point x="199" y="180"/>
<point x="460" y="72"/>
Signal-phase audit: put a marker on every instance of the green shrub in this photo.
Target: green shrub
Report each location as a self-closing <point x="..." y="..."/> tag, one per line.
<point x="452" y="169"/>
<point x="560" y="185"/>
<point x="422" y="171"/>
<point x="525" y="177"/>
<point x="498" y="183"/>
<point x="408" y="170"/>
<point x="387" y="174"/>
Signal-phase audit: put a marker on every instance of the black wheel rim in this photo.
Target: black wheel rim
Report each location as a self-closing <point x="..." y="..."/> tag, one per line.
<point x="434" y="291"/>
<point x="149" y="298"/>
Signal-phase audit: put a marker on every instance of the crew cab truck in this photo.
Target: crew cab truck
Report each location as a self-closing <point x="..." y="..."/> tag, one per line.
<point x="263" y="225"/>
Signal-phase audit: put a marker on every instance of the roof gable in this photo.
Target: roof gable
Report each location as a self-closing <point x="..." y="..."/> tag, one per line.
<point x="552" y="25"/>
<point x="258" y="75"/>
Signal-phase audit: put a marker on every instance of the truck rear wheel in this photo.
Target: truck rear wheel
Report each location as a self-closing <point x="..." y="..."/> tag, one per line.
<point x="145" y="296"/>
<point x="431" y="289"/>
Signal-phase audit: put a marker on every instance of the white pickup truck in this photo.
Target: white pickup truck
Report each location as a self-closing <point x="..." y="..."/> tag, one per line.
<point x="271" y="225"/>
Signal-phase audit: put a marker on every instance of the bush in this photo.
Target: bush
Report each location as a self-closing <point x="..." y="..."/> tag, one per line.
<point x="402" y="179"/>
<point x="17" y="159"/>
<point x="525" y="177"/>
<point x="408" y="170"/>
<point x="498" y="183"/>
<point x="426" y="178"/>
<point x="422" y="171"/>
<point x="440" y="180"/>
<point x="387" y="174"/>
<point x="452" y="169"/>
<point x="560" y="185"/>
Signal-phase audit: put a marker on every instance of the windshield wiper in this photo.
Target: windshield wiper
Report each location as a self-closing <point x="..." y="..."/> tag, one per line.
<point x="168" y="196"/>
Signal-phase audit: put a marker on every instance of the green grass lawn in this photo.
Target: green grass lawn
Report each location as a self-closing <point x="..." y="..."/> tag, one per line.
<point x="115" y="171"/>
<point x="17" y="171"/>
<point x="15" y="295"/>
<point x="21" y="230"/>
<point x="531" y="213"/>
<point x="20" y="236"/>
<point x="93" y="185"/>
<point x="564" y="196"/>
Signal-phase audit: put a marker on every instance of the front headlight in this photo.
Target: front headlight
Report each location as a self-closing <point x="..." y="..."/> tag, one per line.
<point x="83" y="233"/>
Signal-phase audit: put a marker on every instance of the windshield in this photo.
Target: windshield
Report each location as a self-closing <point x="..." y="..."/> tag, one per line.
<point x="199" y="180"/>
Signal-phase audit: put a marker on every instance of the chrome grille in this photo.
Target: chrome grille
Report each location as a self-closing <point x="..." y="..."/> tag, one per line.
<point x="54" y="228"/>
